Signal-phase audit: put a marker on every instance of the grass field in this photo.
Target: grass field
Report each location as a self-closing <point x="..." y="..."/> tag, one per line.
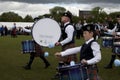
<point x="12" y="60"/>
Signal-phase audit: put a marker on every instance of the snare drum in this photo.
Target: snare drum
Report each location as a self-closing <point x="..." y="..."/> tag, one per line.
<point x="107" y="41"/>
<point x="116" y="48"/>
<point x="28" y="46"/>
<point x="76" y="72"/>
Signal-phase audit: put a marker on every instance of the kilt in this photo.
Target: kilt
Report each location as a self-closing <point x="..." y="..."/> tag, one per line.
<point x="92" y="71"/>
<point x="38" y="51"/>
<point x="67" y="59"/>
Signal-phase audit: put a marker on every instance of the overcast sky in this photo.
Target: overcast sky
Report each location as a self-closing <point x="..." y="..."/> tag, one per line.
<point x="40" y="7"/>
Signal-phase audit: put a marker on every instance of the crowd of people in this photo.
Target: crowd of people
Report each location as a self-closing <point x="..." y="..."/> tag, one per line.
<point x="13" y="31"/>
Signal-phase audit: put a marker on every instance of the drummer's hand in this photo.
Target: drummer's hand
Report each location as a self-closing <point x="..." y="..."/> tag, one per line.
<point x="83" y="61"/>
<point x="105" y="29"/>
<point x="114" y="33"/>
<point x="57" y="43"/>
<point x="57" y="54"/>
<point x="117" y="37"/>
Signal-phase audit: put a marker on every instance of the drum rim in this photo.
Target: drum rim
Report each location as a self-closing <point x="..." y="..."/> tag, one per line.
<point x="116" y="43"/>
<point x="107" y="37"/>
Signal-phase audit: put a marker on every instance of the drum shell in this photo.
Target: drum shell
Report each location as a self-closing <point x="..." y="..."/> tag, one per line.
<point x="76" y="72"/>
<point x="28" y="46"/>
<point x="107" y="41"/>
<point x="116" y="48"/>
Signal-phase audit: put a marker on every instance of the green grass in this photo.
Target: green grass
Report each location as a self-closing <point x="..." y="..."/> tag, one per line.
<point x="12" y="60"/>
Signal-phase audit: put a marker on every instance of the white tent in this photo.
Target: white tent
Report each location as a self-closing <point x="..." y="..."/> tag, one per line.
<point x="18" y="24"/>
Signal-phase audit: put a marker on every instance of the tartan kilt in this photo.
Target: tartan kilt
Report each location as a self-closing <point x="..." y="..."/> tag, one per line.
<point x="92" y="72"/>
<point x="69" y="58"/>
<point x="38" y="50"/>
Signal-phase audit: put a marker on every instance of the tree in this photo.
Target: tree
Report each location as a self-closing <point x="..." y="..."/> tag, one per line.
<point x="96" y="11"/>
<point x="28" y="18"/>
<point x="114" y="14"/>
<point x="56" y="12"/>
<point x="47" y="15"/>
<point x="98" y="14"/>
<point x="11" y="17"/>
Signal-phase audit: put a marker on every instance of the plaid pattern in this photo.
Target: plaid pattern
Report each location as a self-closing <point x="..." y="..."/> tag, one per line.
<point x="38" y="50"/>
<point x="69" y="58"/>
<point x="92" y="72"/>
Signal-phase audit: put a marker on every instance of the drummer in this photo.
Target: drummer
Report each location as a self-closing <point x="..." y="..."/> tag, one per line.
<point x="90" y="53"/>
<point x="68" y="40"/>
<point x="39" y="52"/>
<point x="116" y="32"/>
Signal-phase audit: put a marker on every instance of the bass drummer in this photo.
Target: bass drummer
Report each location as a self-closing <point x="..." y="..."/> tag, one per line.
<point x="39" y="52"/>
<point x="116" y="33"/>
<point x="68" y="40"/>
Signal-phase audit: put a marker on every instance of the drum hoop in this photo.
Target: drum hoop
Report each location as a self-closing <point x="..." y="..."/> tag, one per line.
<point x="107" y="37"/>
<point x="116" y="43"/>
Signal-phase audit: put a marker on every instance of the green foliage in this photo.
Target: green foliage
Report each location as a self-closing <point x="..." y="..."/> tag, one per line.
<point x="114" y="14"/>
<point x="47" y="15"/>
<point x="10" y="17"/>
<point x="28" y="18"/>
<point x="56" y="12"/>
<point x="98" y="14"/>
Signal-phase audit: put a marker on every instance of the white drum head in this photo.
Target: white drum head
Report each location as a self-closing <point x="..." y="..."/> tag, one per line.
<point x="46" y="31"/>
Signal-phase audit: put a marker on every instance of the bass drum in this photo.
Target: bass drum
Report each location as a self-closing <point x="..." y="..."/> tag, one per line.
<point x="46" y="31"/>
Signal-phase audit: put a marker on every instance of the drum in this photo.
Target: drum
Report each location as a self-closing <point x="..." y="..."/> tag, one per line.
<point x="76" y="72"/>
<point x="116" y="47"/>
<point x="46" y="31"/>
<point x="107" y="41"/>
<point x="28" y="46"/>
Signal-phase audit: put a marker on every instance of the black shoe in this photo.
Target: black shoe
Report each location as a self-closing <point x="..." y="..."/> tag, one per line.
<point x="108" y="67"/>
<point x="47" y="65"/>
<point x="27" y="67"/>
<point x="57" y="76"/>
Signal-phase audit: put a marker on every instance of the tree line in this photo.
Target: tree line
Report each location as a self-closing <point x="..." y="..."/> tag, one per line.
<point x="55" y="13"/>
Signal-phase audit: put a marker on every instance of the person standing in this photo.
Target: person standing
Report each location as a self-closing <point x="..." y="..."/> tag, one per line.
<point x="68" y="38"/>
<point x="39" y="52"/>
<point x="14" y="31"/>
<point x="78" y="27"/>
<point x="90" y="53"/>
<point x="6" y="30"/>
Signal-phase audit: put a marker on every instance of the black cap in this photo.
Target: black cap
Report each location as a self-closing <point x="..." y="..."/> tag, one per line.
<point x="67" y="14"/>
<point x="89" y="27"/>
<point x="36" y="18"/>
<point x="118" y="16"/>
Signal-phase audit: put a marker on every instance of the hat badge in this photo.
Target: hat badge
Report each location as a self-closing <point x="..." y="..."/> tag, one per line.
<point x="65" y="14"/>
<point x="88" y="28"/>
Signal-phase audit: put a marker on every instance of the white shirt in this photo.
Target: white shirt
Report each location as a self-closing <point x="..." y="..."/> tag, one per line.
<point x="78" y="26"/>
<point x="96" y="52"/>
<point x="26" y="30"/>
<point x="113" y="30"/>
<point x="70" y="32"/>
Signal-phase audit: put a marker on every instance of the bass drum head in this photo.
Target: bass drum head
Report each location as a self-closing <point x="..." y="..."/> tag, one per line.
<point x="46" y="31"/>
